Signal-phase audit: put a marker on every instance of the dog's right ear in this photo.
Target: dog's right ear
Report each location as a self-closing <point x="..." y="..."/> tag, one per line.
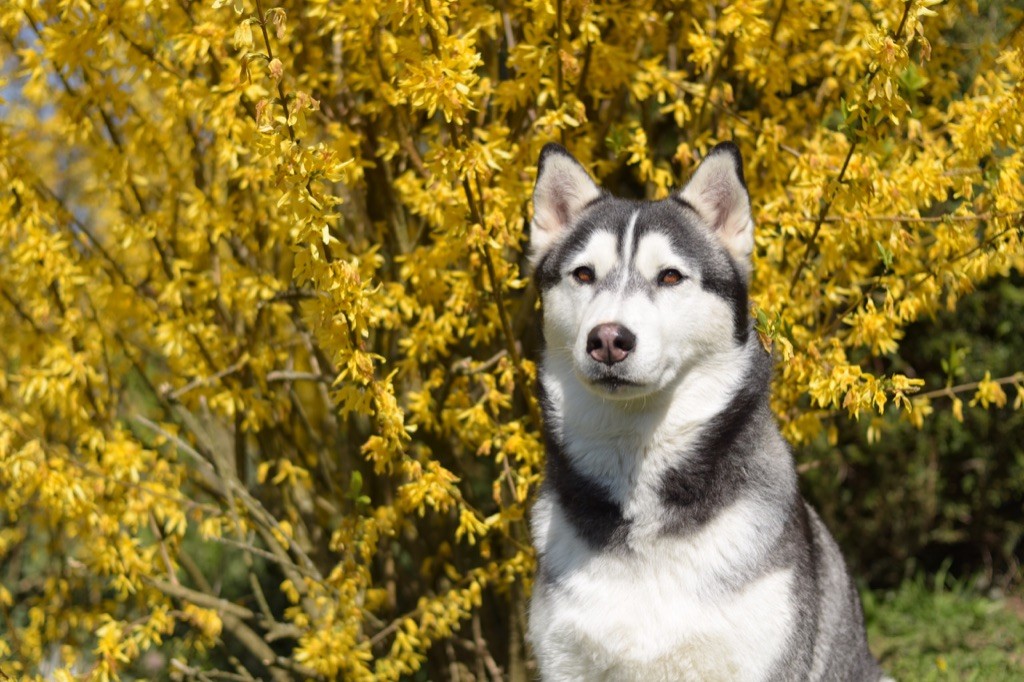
<point x="563" y="189"/>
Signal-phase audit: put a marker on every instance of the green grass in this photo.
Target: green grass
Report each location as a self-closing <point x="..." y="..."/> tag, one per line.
<point x="943" y="630"/>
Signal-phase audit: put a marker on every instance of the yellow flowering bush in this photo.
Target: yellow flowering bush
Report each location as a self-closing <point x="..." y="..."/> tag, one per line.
<point x="268" y="392"/>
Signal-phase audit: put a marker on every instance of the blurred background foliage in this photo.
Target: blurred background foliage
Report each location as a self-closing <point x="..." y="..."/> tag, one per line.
<point x="961" y="481"/>
<point x="267" y="407"/>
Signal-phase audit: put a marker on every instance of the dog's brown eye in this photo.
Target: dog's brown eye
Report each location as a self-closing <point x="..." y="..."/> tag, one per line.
<point x="670" y="277"/>
<point x="583" y="274"/>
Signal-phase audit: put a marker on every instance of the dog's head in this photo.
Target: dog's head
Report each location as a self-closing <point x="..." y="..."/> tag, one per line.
<point x="635" y="293"/>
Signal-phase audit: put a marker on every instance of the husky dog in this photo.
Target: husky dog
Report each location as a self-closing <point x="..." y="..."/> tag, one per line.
<point x="673" y="543"/>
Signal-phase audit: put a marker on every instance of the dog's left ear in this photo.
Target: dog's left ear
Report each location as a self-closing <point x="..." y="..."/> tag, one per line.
<point x="562" y="191"/>
<point x="719" y="194"/>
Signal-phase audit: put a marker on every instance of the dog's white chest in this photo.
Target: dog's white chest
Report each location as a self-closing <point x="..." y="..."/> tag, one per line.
<point x="662" y="614"/>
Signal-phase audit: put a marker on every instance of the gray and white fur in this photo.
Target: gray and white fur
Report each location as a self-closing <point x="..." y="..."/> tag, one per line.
<point x="673" y="543"/>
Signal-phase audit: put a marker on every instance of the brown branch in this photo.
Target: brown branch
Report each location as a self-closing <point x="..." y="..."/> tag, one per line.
<point x="775" y="26"/>
<point x="158" y="533"/>
<point x="194" y="572"/>
<point x="712" y="80"/>
<point x="465" y="365"/>
<point x="952" y="391"/>
<point x="254" y="643"/>
<point x="206" y="469"/>
<point x="559" y="77"/>
<point x="115" y="138"/>
<point x="476" y="214"/>
<point x="264" y="554"/>
<point x="285" y="375"/>
<point x="701" y="93"/>
<point x="874" y="285"/>
<point x="827" y="204"/>
<point x="269" y="522"/>
<point x="510" y="341"/>
<point x="203" y="675"/>
<point x="902" y="218"/>
<point x="232" y="618"/>
<point x="208" y="601"/>
<point x="21" y="312"/>
<point x="262" y="18"/>
<point x="482" y="651"/>
<point x="202" y="382"/>
<point x="966" y="254"/>
<point x="64" y="213"/>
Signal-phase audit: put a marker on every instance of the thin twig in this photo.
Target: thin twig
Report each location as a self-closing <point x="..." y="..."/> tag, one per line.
<point x="221" y="606"/>
<point x="482" y="651"/>
<point x="262" y="20"/>
<point x="158" y="533"/>
<point x="284" y="375"/>
<point x="262" y="553"/>
<point x="952" y="391"/>
<point x="820" y="220"/>
<point x="202" y="382"/>
<point x="827" y="204"/>
<point x="900" y="218"/>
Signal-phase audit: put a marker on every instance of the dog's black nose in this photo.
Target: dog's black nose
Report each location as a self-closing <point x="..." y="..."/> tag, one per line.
<point x="610" y="343"/>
